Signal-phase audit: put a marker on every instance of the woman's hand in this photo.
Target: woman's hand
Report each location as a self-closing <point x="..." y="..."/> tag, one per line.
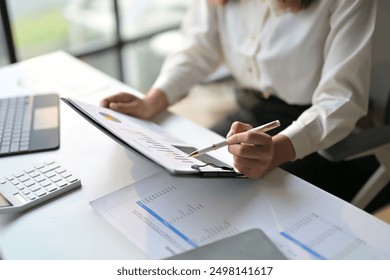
<point x="151" y="105"/>
<point x="254" y="153"/>
<point x="218" y="2"/>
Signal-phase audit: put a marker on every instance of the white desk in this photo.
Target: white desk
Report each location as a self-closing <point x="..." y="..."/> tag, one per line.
<point x="67" y="227"/>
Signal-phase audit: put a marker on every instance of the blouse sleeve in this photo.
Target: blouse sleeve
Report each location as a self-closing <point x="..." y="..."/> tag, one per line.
<point x="342" y="94"/>
<point x="199" y="55"/>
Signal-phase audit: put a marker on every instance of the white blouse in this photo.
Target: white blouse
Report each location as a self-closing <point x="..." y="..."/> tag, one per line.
<point x="319" y="56"/>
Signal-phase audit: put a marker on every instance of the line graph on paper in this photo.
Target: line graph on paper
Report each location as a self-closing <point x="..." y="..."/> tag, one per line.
<point x="167" y="151"/>
<point x="325" y="240"/>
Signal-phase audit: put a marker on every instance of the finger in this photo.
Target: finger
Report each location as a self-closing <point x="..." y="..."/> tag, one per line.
<point x="250" y="169"/>
<point x="230" y="133"/>
<point x="218" y="2"/>
<point x="246" y="162"/>
<point x="250" y="137"/>
<point x="251" y="151"/>
<point x="246" y="171"/>
<point x="238" y="127"/>
<point x="121" y="97"/>
<point x="293" y="5"/>
<point x="129" y="108"/>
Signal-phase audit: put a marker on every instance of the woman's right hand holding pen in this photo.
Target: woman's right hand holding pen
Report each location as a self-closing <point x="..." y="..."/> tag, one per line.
<point x="255" y="154"/>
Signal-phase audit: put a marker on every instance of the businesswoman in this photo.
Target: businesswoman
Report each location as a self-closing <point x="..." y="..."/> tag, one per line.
<point x="304" y="62"/>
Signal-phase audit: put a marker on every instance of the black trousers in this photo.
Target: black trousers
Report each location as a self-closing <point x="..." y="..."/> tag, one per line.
<point x="342" y="179"/>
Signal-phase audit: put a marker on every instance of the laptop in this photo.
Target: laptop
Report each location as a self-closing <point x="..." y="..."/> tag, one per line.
<point x="29" y="124"/>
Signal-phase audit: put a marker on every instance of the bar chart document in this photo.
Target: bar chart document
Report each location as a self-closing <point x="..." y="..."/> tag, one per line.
<point x="152" y="141"/>
<point x="166" y="215"/>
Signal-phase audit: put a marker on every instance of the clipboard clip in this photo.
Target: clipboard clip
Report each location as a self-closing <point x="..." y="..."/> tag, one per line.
<point x="224" y="171"/>
<point x="198" y="167"/>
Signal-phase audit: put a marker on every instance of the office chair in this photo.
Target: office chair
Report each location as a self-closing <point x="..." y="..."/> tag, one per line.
<point x="364" y="142"/>
<point x="374" y="140"/>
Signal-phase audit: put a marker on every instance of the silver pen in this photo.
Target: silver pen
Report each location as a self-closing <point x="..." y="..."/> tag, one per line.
<point x="262" y="128"/>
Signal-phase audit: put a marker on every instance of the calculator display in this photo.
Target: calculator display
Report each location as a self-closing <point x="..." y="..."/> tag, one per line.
<point x="4" y="202"/>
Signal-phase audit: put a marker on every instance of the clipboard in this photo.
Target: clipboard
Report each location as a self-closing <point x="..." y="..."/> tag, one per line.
<point x="152" y="141"/>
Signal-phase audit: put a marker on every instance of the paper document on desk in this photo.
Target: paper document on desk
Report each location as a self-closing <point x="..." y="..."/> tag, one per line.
<point x="166" y="215"/>
<point x="152" y="141"/>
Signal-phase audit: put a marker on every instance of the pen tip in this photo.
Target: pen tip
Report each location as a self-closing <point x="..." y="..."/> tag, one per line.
<point x="193" y="154"/>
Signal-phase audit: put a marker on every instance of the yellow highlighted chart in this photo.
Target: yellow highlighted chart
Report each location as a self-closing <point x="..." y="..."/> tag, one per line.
<point x="109" y="117"/>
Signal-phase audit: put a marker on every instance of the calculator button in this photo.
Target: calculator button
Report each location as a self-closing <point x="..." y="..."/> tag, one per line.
<point x="45" y="183"/>
<point x="26" y="191"/>
<point x="45" y="169"/>
<point x="51" y="188"/>
<point x="39" y="178"/>
<point x="15" y="182"/>
<point x="31" y="196"/>
<point x="29" y="170"/>
<point x="19" y="174"/>
<point x="66" y="174"/>
<point x="35" y="187"/>
<point x="49" y="168"/>
<point x="20" y="187"/>
<point x="34" y="174"/>
<point x="50" y="174"/>
<point x="40" y="192"/>
<point x="23" y="178"/>
<point x="20" y="198"/>
<point x="72" y="179"/>
<point x="2" y="181"/>
<point x="39" y="166"/>
<point x="29" y="183"/>
<point x="62" y="183"/>
<point x="10" y="178"/>
<point x="60" y="170"/>
<point x="56" y="178"/>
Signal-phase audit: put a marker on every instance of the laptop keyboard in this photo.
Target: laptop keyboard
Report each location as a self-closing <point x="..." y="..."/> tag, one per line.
<point x="15" y="124"/>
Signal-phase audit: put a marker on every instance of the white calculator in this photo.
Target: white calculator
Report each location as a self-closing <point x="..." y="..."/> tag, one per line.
<point x="32" y="186"/>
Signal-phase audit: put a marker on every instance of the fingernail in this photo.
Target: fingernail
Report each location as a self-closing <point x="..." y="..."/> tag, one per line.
<point x="230" y="133"/>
